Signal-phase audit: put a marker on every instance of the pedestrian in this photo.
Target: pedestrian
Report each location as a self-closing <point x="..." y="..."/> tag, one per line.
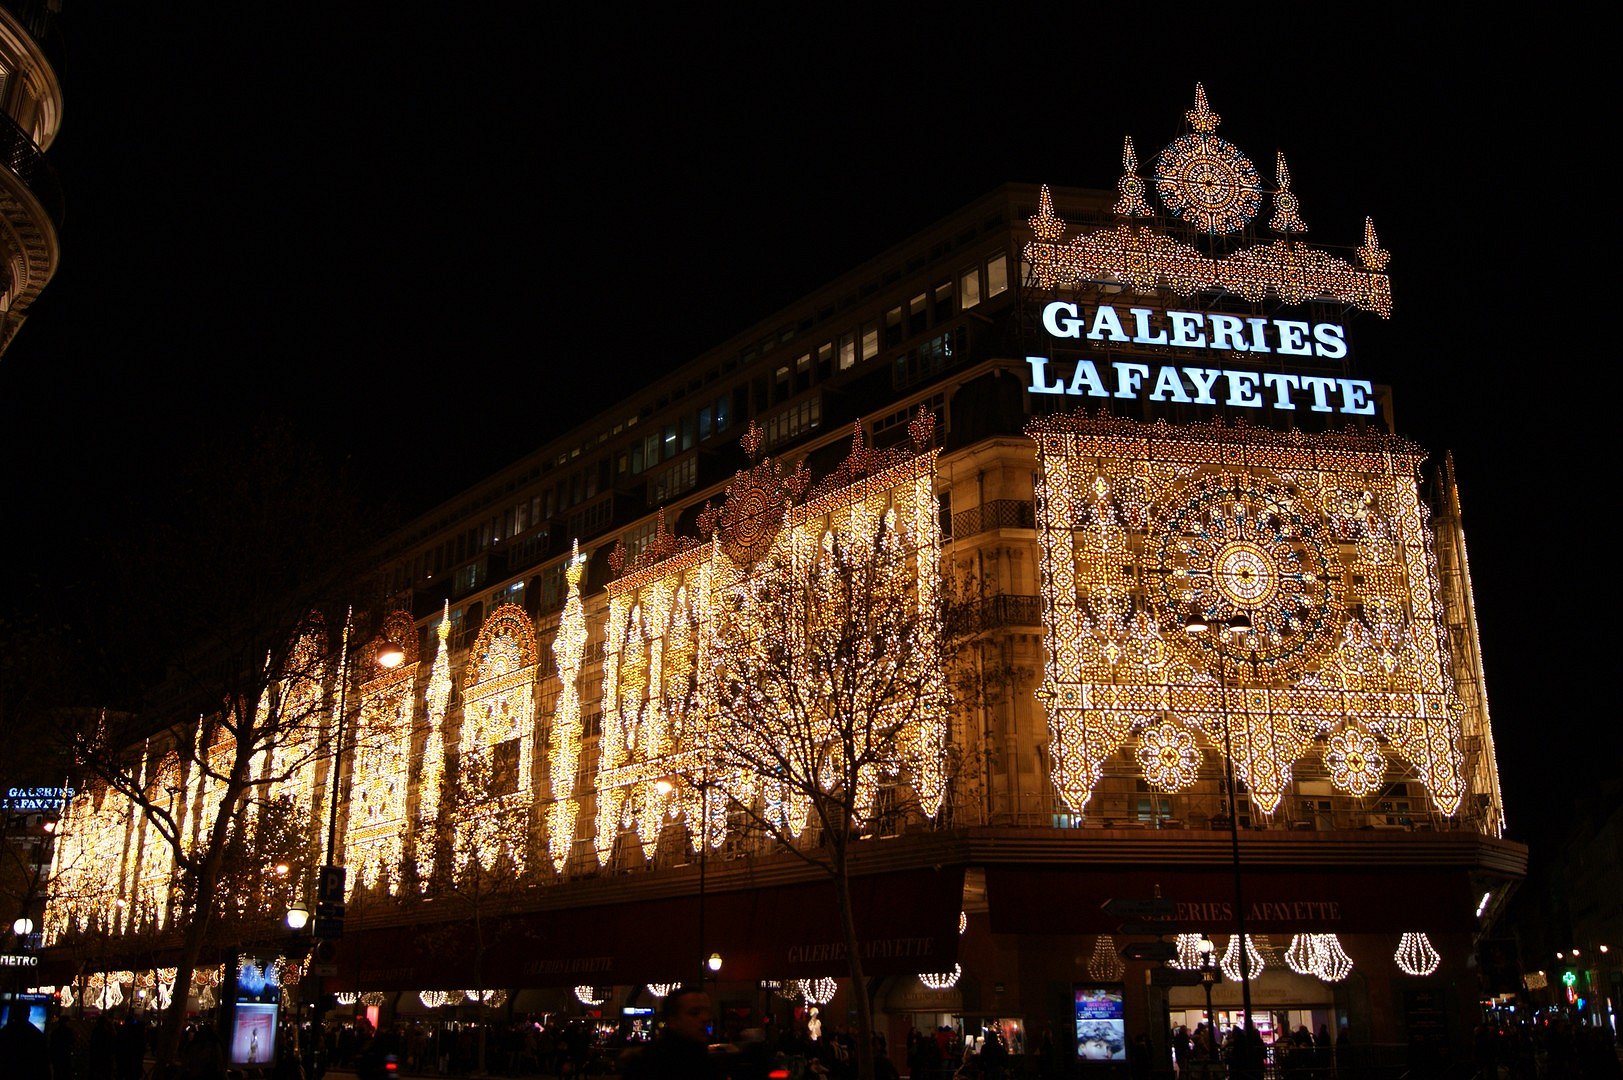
<point x="204" y="1058"/>
<point x="23" y="1049"/>
<point x="681" y="1052"/>
<point x="64" y="1045"/>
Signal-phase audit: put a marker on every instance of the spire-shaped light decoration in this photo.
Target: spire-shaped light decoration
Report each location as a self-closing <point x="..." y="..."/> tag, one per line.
<point x="429" y="787"/>
<point x="1287" y="211"/>
<point x="568" y="649"/>
<point x="1045" y="225"/>
<point x="1231" y="958"/>
<point x="944" y="980"/>
<point x="1416" y="955"/>
<point x="1201" y="117"/>
<point x="1131" y="188"/>
<point x="1373" y="256"/>
<point x="1104" y="964"/>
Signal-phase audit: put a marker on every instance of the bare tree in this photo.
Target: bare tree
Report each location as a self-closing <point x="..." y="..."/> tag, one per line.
<point x="224" y="631"/>
<point x="831" y="706"/>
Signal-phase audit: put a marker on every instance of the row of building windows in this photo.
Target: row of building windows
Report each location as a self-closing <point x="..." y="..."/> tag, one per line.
<point x="930" y="307"/>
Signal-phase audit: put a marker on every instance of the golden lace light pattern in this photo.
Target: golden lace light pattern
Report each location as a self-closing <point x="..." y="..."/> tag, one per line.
<point x="86" y="870"/>
<point x="493" y="785"/>
<point x="291" y="738"/>
<point x="659" y="759"/>
<point x="374" y="841"/>
<point x="155" y="873"/>
<point x="568" y="650"/>
<point x="1353" y="759"/>
<point x="431" y="779"/>
<point x="1320" y="542"/>
<point x="1168" y="756"/>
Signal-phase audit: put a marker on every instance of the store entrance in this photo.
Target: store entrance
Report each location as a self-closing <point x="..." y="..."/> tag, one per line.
<point x="1283" y="1002"/>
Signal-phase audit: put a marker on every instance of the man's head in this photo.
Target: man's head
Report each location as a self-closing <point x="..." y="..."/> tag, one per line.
<point x="687" y="1014"/>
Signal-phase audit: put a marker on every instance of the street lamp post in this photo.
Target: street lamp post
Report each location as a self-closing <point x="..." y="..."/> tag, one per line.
<point x="1198" y="624"/>
<point x="1208" y="976"/>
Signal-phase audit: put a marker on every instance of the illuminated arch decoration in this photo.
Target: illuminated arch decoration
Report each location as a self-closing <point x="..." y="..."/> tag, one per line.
<point x="374" y="840"/>
<point x="431" y="778"/>
<point x="1213" y="187"/>
<point x="493" y="786"/>
<point x="568" y="650"/>
<point x="1320" y="541"/>
<point x="659" y="760"/>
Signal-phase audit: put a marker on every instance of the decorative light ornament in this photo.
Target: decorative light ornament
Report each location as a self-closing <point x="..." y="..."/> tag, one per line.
<point x="1130" y="187"/>
<point x="432" y="999"/>
<point x="590" y="995"/>
<point x="346" y="997"/>
<point x="818" y="991"/>
<point x="493" y="998"/>
<point x="1105" y="965"/>
<point x="67" y="997"/>
<point x="1188" y="958"/>
<point x="963" y="921"/>
<point x="1300" y="956"/>
<point x="1168" y="756"/>
<point x="660" y="990"/>
<point x="1333" y="962"/>
<point x="1287" y="211"/>
<point x="1205" y="538"/>
<point x="1416" y="955"/>
<point x="942" y="980"/>
<point x="1231" y="958"/>
<point x="373" y="999"/>
<point x="568" y="649"/>
<point x="1354" y="761"/>
<point x="431" y="783"/>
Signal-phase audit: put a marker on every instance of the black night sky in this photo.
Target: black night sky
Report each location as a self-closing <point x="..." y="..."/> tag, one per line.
<point x="433" y="239"/>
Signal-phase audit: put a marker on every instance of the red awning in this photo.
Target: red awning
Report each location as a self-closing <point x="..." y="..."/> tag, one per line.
<point x="906" y="922"/>
<point x="1069" y="899"/>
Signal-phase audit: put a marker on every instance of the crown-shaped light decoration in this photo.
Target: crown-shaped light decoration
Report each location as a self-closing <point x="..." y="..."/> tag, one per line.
<point x="1209" y="184"/>
<point x="941" y="980"/>
<point x="1287" y="211"/>
<point x="1130" y="187"/>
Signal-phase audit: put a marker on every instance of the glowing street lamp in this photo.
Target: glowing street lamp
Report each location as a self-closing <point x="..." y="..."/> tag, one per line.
<point x="297" y="918"/>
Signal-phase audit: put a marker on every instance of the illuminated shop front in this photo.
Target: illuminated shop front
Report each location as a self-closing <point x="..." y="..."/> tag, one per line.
<point x="1070" y="430"/>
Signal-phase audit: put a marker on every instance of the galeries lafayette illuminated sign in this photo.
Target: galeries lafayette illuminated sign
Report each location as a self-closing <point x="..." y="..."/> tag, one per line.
<point x="1200" y="385"/>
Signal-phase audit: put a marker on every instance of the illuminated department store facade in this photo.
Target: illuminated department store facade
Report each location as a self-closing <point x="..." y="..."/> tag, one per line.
<point x="1099" y="415"/>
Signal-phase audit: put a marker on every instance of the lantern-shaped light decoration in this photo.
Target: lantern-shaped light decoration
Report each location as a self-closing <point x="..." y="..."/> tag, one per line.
<point x="817" y="991"/>
<point x="941" y="980"/>
<point x="1416" y="955"/>
<point x="1299" y="957"/>
<point x="660" y="990"/>
<point x="1188" y="958"/>
<point x="346" y="997"/>
<point x="1333" y="962"/>
<point x="589" y="995"/>
<point x="1104" y="964"/>
<point x="432" y="999"/>
<point x="1231" y="958"/>
<point x="373" y="999"/>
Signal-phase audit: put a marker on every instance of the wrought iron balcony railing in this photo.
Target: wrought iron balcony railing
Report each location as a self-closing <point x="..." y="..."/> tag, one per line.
<point x="27" y="162"/>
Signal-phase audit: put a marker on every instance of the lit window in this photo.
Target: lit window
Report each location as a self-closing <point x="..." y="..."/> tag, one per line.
<point x="969" y="289"/>
<point x="870" y="341"/>
<point x="997" y="276"/>
<point x="848" y="351"/>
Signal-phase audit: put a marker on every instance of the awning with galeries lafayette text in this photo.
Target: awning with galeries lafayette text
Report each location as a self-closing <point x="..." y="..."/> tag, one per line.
<point x="907" y="922"/>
